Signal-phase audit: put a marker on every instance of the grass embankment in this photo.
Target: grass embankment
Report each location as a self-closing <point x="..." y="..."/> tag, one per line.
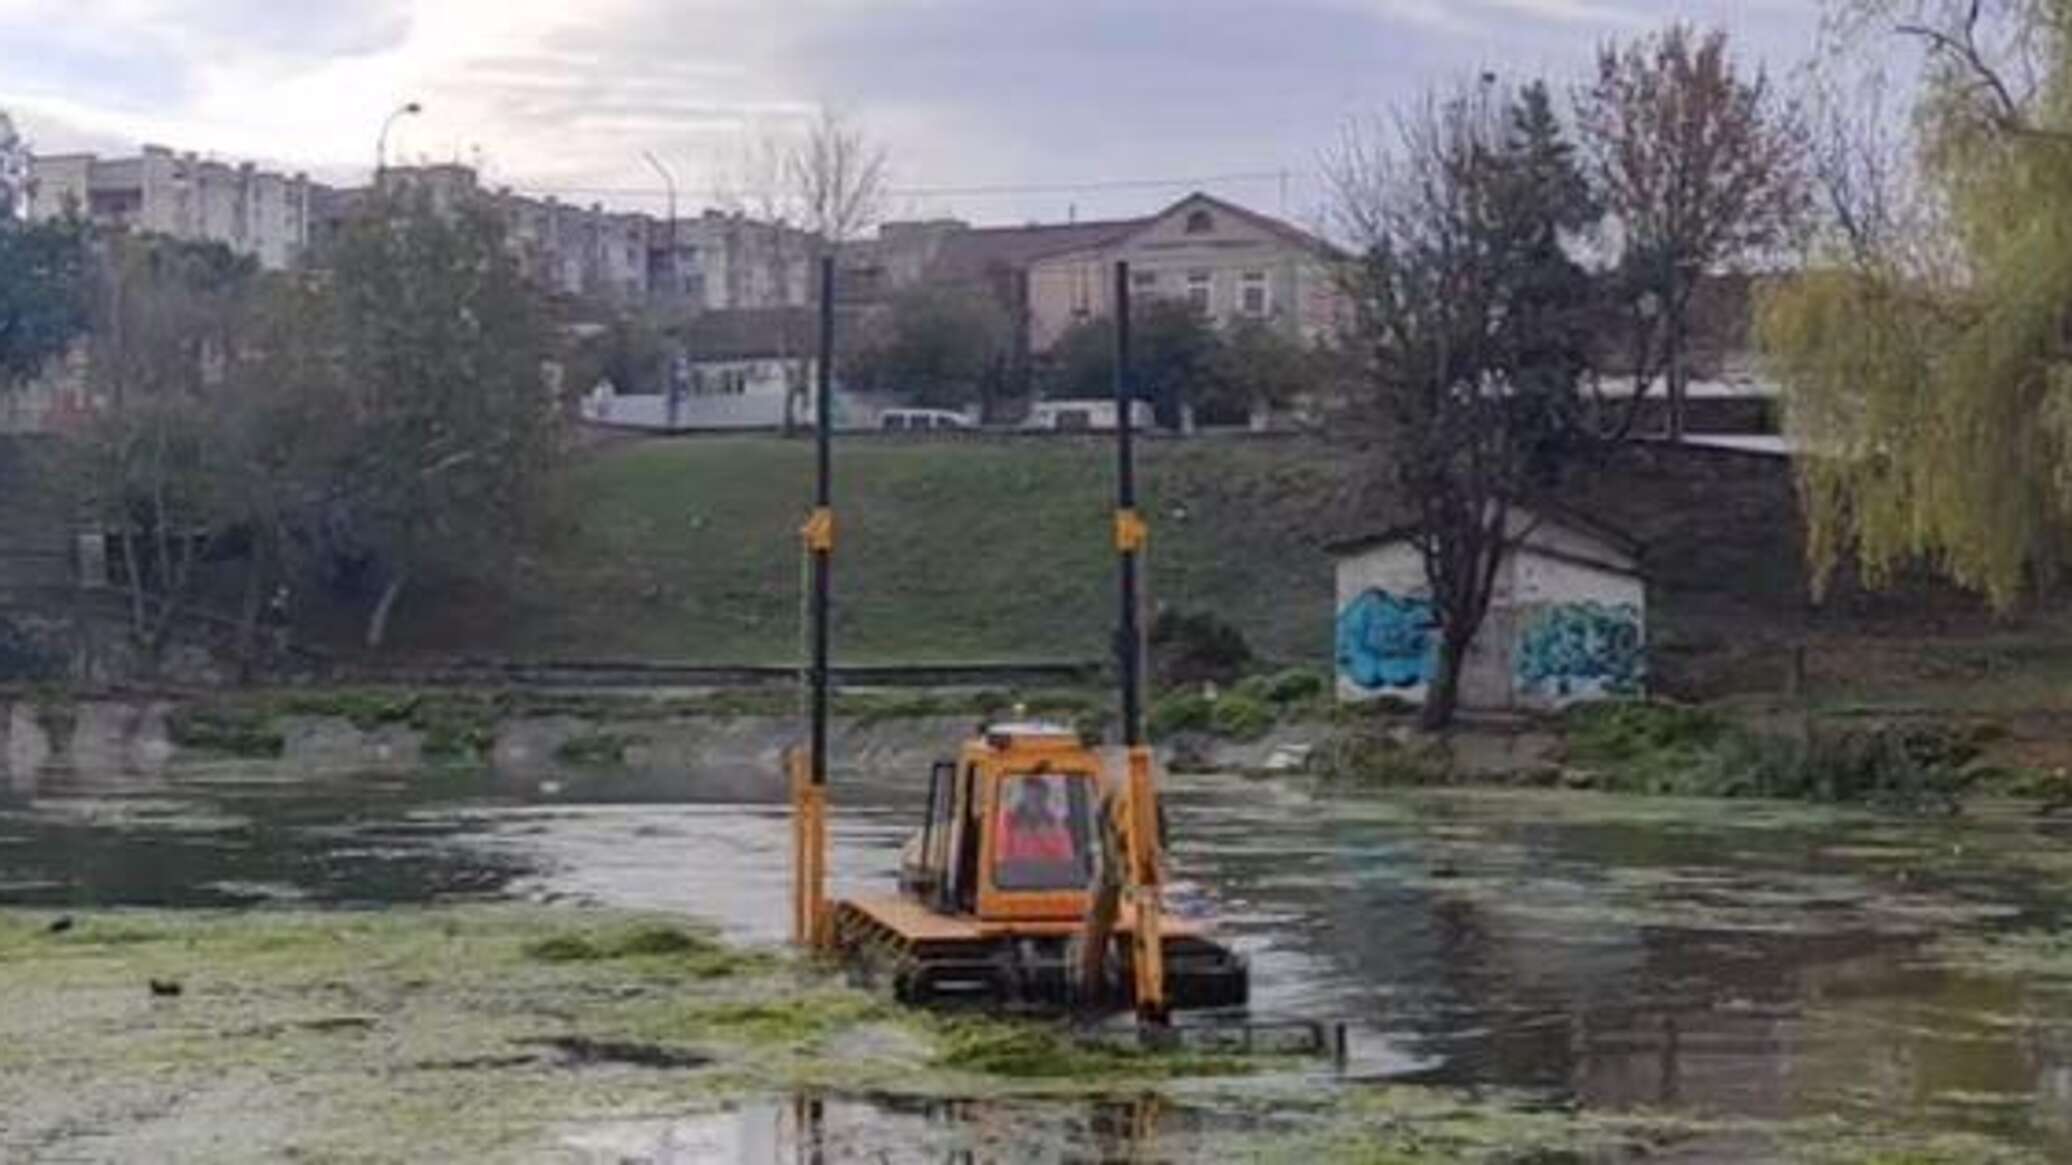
<point x="508" y="1033"/>
<point x="962" y="550"/>
<point x="949" y="550"/>
<point x="1661" y="749"/>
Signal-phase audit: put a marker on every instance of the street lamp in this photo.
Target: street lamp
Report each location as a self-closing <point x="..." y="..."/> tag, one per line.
<point x="668" y="181"/>
<point x="408" y="109"/>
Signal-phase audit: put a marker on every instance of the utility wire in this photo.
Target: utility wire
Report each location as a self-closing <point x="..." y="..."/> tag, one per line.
<point x="719" y="193"/>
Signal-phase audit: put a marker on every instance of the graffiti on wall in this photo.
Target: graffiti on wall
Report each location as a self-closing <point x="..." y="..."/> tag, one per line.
<point x="1572" y="649"/>
<point x="1387" y="641"/>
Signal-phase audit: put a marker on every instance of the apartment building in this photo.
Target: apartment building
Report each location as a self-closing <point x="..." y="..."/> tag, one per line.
<point x="254" y="212"/>
<point x="709" y="262"/>
<point x="712" y="261"/>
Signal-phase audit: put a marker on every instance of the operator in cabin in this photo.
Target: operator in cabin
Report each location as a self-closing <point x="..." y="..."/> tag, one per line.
<point x="1038" y="847"/>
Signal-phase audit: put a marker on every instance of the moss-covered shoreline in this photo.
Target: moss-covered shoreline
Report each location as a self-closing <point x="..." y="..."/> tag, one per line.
<point x="503" y="1032"/>
<point x="1888" y="759"/>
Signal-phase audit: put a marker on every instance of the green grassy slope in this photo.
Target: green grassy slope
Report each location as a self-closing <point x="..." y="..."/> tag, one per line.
<point x="949" y="550"/>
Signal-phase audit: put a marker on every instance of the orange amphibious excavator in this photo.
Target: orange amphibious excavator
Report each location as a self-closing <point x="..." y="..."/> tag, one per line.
<point x="1034" y="878"/>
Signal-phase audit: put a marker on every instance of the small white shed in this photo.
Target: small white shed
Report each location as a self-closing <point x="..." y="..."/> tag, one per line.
<point x="1568" y="621"/>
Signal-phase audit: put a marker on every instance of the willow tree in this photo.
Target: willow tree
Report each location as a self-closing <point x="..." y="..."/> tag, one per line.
<point x="1929" y="376"/>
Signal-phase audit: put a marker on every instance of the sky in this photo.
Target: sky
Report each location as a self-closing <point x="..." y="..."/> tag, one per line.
<point x="995" y="111"/>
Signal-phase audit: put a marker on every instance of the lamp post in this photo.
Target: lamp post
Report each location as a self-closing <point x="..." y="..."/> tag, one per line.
<point x="669" y="183"/>
<point x="407" y="109"/>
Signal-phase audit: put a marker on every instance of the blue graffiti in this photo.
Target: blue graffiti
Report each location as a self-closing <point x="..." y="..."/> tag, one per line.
<point x="1387" y="641"/>
<point x="1576" y="648"/>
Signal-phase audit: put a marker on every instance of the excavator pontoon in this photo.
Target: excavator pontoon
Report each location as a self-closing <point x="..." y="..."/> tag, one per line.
<point x="1034" y="880"/>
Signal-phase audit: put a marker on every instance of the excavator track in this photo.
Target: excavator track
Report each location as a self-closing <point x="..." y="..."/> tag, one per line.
<point x="950" y="962"/>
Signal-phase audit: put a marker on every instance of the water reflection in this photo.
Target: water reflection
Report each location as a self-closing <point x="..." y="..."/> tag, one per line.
<point x="816" y="1129"/>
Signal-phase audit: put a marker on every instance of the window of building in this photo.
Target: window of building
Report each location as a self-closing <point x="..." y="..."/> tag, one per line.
<point x="1253" y="296"/>
<point x="1199" y="285"/>
<point x="1201" y="222"/>
<point x="1143" y="279"/>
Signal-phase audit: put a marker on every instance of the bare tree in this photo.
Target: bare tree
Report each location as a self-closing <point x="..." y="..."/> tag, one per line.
<point x="1471" y="333"/>
<point x="1989" y="60"/>
<point x="1700" y="167"/>
<point x="836" y="178"/>
<point x="156" y="466"/>
<point x="1858" y="163"/>
<point x="811" y="192"/>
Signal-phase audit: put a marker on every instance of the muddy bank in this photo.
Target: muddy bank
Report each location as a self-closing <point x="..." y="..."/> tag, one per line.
<point x="734" y="742"/>
<point x="505" y="1033"/>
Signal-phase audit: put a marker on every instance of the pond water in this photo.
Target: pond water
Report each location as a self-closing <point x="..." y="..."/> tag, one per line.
<point x="1716" y="958"/>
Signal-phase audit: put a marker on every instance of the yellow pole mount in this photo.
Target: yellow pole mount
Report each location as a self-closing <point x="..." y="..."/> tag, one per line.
<point x="1130" y="532"/>
<point x="1148" y="945"/>
<point x="819" y="530"/>
<point x="809" y="913"/>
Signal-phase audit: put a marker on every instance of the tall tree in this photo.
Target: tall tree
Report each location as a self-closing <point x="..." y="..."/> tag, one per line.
<point x="43" y="273"/>
<point x="939" y="347"/>
<point x="1927" y="370"/>
<point x="1700" y="167"/>
<point x="1175" y="352"/>
<point x="155" y="465"/>
<point x="1471" y="332"/>
<point x="1258" y="368"/>
<point x="14" y="170"/>
<point x="440" y="358"/>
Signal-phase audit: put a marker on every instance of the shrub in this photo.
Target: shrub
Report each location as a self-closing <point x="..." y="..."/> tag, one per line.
<point x="1258" y="689"/>
<point x="596" y="748"/>
<point x="1296" y="685"/>
<point x="1179" y="712"/>
<point x="225" y="731"/>
<point x="1195" y="648"/>
<point x="1662" y="749"/>
<point x="1629" y="730"/>
<point x="1240" y="717"/>
<point x="1377" y="758"/>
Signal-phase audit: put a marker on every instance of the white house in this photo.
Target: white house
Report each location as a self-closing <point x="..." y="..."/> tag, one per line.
<point x="1090" y="415"/>
<point x="1568" y="621"/>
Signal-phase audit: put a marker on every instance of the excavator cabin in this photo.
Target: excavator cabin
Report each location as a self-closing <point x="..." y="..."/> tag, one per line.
<point x="1039" y="790"/>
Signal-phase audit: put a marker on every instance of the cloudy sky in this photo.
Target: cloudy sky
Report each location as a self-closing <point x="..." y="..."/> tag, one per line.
<point x="993" y="110"/>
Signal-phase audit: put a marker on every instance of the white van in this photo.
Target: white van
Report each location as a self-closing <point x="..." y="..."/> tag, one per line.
<point x="921" y="420"/>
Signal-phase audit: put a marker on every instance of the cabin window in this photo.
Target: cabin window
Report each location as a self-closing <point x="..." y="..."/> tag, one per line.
<point x="1199" y="284"/>
<point x="1143" y="280"/>
<point x="1201" y="222"/>
<point x="1044" y="835"/>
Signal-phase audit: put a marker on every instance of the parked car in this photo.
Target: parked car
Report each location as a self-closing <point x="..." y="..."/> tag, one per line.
<point x="921" y="420"/>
